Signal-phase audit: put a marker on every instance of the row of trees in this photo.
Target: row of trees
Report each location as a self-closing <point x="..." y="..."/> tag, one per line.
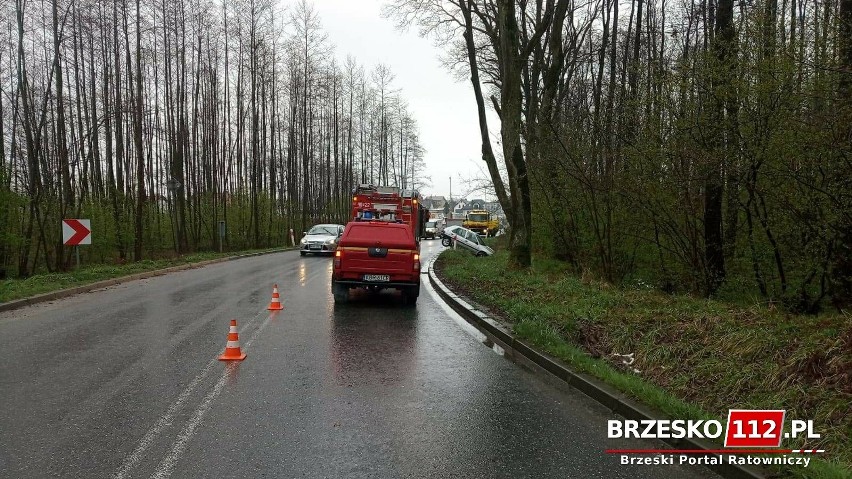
<point x="702" y="144"/>
<point x="158" y="119"/>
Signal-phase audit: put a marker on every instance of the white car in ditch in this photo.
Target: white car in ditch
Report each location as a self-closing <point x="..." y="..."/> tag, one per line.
<point x="465" y="238"/>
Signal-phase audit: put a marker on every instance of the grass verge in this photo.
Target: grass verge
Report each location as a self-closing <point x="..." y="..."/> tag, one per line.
<point x="693" y="358"/>
<point x="12" y="289"/>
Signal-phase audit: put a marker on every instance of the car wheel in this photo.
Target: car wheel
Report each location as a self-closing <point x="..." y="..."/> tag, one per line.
<point x="446" y="241"/>
<point x="341" y="293"/>
<point x="409" y="295"/>
<point x="301" y="253"/>
<point x="481" y="253"/>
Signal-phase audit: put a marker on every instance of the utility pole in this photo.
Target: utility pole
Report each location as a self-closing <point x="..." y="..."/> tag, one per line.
<point x="451" y="197"/>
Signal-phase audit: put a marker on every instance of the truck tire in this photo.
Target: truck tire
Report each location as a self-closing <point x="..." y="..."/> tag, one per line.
<point x="341" y="293"/>
<point x="409" y="295"/>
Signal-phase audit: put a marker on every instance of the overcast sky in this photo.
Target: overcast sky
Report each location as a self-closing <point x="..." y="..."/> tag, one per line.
<point x="445" y="109"/>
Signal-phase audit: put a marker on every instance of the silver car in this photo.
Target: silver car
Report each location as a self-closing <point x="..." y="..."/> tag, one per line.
<point x="321" y="239"/>
<point x="465" y="238"/>
<point x="433" y="229"/>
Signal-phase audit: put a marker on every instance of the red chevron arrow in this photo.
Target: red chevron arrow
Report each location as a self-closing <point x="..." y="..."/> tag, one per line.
<point x="81" y="232"/>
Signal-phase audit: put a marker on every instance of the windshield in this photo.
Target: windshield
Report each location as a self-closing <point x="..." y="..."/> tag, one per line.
<point x="430" y="224"/>
<point x="323" y="230"/>
<point x="478" y="217"/>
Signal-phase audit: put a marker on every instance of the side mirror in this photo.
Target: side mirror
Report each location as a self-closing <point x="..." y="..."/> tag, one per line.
<point x="304" y="232"/>
<point x="339" y="234"/>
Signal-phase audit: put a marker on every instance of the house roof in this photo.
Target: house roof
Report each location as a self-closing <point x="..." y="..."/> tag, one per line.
<point x="435" y="202"/>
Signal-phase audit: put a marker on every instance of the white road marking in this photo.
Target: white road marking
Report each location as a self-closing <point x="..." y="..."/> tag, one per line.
<point x="166" y="466"/>
<point x="166" y="419"/>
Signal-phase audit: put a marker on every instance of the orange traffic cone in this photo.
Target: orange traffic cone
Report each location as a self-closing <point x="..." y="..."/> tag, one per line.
<point x="275" y="304"/>
<point x="232" y="350"/>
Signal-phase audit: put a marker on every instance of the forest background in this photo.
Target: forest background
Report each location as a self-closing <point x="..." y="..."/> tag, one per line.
<point x="696" y="146"/>
<point x="159" y="119"/>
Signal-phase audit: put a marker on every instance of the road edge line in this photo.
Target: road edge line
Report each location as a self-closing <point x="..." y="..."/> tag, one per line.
<point x="592" y="387"/>
<point x="64" y="293"/>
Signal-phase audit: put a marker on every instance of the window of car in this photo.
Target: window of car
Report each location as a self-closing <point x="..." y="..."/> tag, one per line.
<point x="323" y="230"/>
<point x="430" y="224"/>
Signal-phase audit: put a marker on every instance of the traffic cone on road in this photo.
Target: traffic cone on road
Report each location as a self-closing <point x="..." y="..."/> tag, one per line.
<point x="232" y="349"/>
<point x="275" y="304"/>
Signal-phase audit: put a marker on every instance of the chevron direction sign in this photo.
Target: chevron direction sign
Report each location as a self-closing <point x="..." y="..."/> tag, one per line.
<point x="75" y="232"/>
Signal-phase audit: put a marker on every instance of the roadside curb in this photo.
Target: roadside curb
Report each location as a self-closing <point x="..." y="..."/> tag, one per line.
<point x="64" y="293"/>
<point x="521" y="352"/>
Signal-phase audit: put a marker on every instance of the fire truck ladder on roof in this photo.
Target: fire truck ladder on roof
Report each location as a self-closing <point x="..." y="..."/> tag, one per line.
<point x="387" y="203"/>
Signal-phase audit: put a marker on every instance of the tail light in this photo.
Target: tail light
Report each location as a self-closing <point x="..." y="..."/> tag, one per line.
<point x="416" y="262"/>
<point x="338" y="255"/>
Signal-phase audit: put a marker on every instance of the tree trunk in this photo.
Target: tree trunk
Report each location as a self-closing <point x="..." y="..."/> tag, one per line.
<point x="137" y="136"/>
<point x="510" y="132"/>
<point x="487" y="150"/>
<point x="67" y="197"/>
<point x="725" y="54"/>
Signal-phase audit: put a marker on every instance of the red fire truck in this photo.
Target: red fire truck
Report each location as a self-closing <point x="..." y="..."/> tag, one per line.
<point x="388" y="203"/>
<point x="380" y="247"/>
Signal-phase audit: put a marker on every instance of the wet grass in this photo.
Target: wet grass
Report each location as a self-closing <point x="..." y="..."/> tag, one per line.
<point x="694" y="358"/>
<point x="11" y="289"/>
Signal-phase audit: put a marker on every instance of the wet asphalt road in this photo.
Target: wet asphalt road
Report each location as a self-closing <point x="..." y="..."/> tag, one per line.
<point x="124" y="382"/>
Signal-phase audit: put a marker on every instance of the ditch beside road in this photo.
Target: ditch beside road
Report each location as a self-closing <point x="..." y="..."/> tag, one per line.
<point x="685" y="357"/>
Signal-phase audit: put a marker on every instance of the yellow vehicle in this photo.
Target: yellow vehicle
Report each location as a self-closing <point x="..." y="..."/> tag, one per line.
<point x="482" y="222"/>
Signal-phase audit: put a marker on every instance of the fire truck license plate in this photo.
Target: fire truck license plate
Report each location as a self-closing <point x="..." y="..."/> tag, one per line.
<point x="377" y="277"/>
